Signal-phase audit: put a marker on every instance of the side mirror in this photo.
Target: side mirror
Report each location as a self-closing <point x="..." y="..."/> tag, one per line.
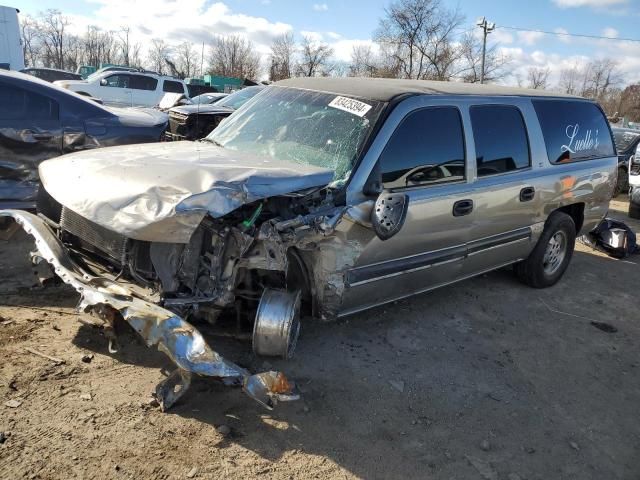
<point x="389" y="213"/>
<point x="103" y="82"/>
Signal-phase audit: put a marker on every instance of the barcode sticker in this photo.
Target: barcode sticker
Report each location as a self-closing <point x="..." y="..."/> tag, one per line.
<point x="350" y="105"/>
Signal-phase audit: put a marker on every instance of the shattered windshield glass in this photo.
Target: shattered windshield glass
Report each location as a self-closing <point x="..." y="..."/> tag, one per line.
<point x="301" y="126"/>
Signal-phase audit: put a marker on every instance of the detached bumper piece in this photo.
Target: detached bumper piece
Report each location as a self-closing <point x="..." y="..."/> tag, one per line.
<point x="172" y="335"/>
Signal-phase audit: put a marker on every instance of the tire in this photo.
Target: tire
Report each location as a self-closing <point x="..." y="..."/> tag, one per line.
<point x="552" y="254"/>
<point x="622" y="185"/>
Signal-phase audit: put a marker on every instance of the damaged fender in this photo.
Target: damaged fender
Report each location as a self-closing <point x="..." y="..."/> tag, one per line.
<point x="172" y="335"/>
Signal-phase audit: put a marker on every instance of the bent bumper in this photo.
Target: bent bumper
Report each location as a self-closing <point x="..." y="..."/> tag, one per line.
<point x="172" y="335"/>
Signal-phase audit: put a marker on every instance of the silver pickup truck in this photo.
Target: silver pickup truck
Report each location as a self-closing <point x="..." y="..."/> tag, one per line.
<point x="319" y="198"/>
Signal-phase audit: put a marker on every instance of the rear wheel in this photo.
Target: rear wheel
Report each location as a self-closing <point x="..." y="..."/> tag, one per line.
<point x="551" y="256"/>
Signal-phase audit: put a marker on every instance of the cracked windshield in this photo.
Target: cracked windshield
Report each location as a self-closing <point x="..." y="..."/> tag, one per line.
<point x="319" y="129"/>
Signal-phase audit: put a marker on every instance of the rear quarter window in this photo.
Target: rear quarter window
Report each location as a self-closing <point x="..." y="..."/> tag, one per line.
<point x="574" y="130"/>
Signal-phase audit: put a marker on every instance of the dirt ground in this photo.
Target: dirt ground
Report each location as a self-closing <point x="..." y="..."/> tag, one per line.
<point x="486" y="379"/>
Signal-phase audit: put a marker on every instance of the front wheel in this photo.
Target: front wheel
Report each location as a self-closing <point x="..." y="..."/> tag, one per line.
<point x="551" y="256"/>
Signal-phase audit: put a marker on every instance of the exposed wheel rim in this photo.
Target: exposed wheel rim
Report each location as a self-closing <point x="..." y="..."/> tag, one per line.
<point x="555" y="253"/>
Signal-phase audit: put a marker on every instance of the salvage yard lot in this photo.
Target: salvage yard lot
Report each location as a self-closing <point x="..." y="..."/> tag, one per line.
<point x="483" y="379"/>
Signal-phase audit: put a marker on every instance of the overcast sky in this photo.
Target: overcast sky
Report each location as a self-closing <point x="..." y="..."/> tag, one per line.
<point x="346" y="23"/>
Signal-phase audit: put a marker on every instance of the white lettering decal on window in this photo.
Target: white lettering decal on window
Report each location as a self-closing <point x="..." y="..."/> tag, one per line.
<point x="350" y="105"/>
<point x="579" y="144"/>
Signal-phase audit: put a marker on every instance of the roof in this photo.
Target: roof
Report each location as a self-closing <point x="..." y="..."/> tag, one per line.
<point x="384" y="89"/>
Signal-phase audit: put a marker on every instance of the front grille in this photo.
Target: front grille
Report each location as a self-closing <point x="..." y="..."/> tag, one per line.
<point x="178" y="117"/>
<point x="111" y="243"/>
<point x="177" y="125"/>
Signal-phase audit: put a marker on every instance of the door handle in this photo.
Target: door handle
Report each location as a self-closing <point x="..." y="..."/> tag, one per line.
<point x="527" y="194"/>
<point x="462" y="207"/>
<point x="41" y="137"/>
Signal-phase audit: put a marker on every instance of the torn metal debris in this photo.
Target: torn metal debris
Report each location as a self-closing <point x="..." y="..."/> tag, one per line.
<point x="158" y="326"/>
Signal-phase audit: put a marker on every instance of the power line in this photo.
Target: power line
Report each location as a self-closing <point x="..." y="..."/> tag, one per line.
<point x="567" y="34"/>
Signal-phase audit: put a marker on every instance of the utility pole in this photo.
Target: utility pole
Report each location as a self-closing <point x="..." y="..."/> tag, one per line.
<point x="487" y="28"/>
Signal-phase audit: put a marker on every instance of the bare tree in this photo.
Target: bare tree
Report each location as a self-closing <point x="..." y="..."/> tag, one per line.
<point x="98" y="46"/>
<point x="570" y="80"/>
<point x="315" y="58"/>
<point x="158" y="52"/>
<point x="124" y="45"/>
<point x="364" y="62"/>
<point x="234" y="56"/>
<point x="53" y="35"/>
<point x="600" y="76"/>
<point x="538" y="77"/>
<point x="31" y="46"/>
<point x="135" y="55"/>
<point x="187" y="60"/>
<point x="420" y="38"/>
<point x="469" y="69"/>
<point x="283" y="49"/>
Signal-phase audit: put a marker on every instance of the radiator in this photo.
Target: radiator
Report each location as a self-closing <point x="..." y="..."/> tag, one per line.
<point x="111" y="243"/>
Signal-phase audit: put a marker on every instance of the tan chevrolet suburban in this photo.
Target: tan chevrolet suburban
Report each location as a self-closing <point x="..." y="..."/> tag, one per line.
<point x="324" y="196"/>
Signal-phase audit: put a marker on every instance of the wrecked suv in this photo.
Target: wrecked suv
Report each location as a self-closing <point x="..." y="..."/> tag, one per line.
<point x="322" y="196"/>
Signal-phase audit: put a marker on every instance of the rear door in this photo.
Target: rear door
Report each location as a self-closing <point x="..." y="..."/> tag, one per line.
<point x="505" y="188"/>
<point x="30" y="132"/>
<point x="144" y="90"/>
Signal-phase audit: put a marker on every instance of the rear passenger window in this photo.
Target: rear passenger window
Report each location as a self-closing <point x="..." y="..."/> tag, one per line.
<point x="140" y="82"/>
<point x="501" y="139"/>
<point x="19" y="104"/>
<point x="573" y="130"/>
<point x="172" y="87"/>
<point x="427" y="148"/>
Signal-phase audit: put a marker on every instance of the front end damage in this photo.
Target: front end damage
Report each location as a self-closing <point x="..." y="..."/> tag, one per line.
<point x="158" y="326"/>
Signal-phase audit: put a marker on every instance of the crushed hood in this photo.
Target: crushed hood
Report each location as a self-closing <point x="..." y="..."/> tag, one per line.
<point x="161" y="192"/>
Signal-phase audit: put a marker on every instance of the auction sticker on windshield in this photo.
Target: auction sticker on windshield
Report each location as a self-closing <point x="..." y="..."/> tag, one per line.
<point x="350" y="105"/>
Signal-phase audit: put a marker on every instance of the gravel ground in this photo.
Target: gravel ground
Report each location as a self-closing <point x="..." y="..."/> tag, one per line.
<point x="486" y="379"/>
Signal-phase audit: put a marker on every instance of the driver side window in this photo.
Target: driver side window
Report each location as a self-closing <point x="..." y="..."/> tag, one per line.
<point x="427" y="148"/>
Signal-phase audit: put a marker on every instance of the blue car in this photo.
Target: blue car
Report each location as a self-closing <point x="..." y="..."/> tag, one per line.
<point x="39" y="121"/>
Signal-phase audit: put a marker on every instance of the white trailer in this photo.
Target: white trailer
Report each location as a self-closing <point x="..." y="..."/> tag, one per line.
<point x="11" y="54"/>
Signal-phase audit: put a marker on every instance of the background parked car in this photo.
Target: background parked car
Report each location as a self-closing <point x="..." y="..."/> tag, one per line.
<point x="126" y="89"/>
<point x="51" y="74"/>
<point x="627" y="140"/>
<point x="192" y="122"/>
<point x="39" y="121"/>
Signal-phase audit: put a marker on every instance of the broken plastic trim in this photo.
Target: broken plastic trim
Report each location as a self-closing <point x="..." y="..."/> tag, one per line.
<point x="175" y="337"/>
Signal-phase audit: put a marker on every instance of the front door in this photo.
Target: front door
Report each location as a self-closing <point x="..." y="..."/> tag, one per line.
<point x="116" y="90"/>
<point x="425" y="159"/>
<point x="144" y="91"/>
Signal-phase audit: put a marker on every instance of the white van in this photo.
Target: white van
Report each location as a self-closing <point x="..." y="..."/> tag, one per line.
<point x="11" y="55"/>
<point x="126" y="89"/>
